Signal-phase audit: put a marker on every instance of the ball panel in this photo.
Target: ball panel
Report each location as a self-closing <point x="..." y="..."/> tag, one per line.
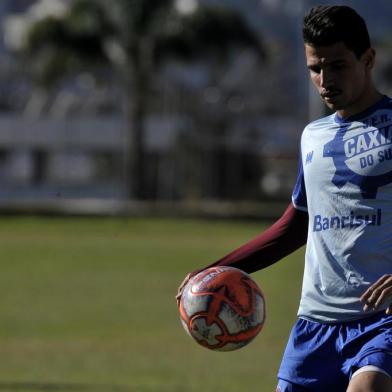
<point x="194" y="303"/>
<point x="236" y="323"/>
<point x="185" y="325"/>
<point x="259" y="315"/>
<point x="204" y="332"/>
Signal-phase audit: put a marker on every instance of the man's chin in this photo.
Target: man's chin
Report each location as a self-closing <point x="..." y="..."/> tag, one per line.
<point x="334" y="105"/>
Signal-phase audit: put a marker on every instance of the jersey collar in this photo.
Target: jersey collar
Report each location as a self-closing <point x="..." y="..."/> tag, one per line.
<point x="378" y="105"/>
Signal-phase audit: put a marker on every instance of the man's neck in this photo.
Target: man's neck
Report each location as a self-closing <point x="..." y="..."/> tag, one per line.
<point x="370" y="99"/>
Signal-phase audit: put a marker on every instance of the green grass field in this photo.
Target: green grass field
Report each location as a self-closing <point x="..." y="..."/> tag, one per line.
<point x="88" y="304"/>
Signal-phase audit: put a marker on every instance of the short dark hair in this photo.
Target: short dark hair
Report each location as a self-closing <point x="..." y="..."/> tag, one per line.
<point x="328" y="25"/>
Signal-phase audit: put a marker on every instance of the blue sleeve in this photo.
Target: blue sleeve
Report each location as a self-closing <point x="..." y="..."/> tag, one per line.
<point x="299" y="192"/>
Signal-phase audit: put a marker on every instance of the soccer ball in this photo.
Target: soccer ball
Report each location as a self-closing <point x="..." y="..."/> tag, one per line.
<point x="222" y="308"/>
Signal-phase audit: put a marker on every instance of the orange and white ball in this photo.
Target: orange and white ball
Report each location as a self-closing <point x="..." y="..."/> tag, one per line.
<point x="222" y="308"/>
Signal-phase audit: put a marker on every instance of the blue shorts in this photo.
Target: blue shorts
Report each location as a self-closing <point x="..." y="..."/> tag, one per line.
<point x="322" y="357"/>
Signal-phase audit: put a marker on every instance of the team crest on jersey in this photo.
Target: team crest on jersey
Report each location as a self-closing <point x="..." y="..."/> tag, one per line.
<point x="362" y="155"/>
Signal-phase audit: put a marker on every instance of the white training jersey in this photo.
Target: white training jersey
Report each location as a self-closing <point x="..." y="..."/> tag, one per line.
<point x="345" y="185"/>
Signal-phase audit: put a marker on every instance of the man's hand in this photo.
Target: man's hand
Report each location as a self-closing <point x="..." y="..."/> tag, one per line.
<point x="378" y="295"/>
<point x="183" y="284"/>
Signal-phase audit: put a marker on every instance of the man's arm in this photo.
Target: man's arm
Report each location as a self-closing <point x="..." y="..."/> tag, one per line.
<point x="285" y="236"/>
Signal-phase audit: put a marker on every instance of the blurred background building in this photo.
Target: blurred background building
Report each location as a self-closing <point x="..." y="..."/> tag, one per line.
<point x="190" y="101"/>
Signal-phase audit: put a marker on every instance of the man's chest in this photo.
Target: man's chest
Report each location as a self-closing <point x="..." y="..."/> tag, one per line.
<point x="355" y="157"/>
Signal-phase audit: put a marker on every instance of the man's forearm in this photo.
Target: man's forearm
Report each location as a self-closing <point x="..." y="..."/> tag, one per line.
<point x="285" y="236"/>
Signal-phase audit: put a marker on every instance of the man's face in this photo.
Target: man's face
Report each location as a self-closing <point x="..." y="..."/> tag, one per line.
<point x="341" y="79"/>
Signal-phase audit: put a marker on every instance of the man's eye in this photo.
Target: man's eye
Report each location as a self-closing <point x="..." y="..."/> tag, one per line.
<point x="315" y="70"/>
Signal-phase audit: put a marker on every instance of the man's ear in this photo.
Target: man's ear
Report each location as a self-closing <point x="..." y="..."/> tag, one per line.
<point x="369" y="58"/>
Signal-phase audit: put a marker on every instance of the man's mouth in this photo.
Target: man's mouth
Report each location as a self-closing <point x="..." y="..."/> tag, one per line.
<point x="330" y="95"/>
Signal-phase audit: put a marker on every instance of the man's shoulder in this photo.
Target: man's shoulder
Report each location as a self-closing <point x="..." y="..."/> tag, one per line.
<point x="320" y="123"/>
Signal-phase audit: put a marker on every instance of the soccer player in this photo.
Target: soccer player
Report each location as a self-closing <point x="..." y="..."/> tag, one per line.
<point x="342" y="209"/>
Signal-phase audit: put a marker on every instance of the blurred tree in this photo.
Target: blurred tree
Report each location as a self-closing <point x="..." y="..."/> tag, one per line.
<point x="133" y="37"/>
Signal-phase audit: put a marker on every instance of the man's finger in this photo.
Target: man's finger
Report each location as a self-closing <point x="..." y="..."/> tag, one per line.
<point x="378" y="294"/>
<point x="384" y="296"/>
<point x="382" y="282"/>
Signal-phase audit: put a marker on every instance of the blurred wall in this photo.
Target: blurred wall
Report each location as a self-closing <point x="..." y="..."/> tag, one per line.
<point x="213" y="130"/>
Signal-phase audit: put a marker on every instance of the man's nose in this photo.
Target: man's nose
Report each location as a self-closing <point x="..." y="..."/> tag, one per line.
<point x="326" y="79"/>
